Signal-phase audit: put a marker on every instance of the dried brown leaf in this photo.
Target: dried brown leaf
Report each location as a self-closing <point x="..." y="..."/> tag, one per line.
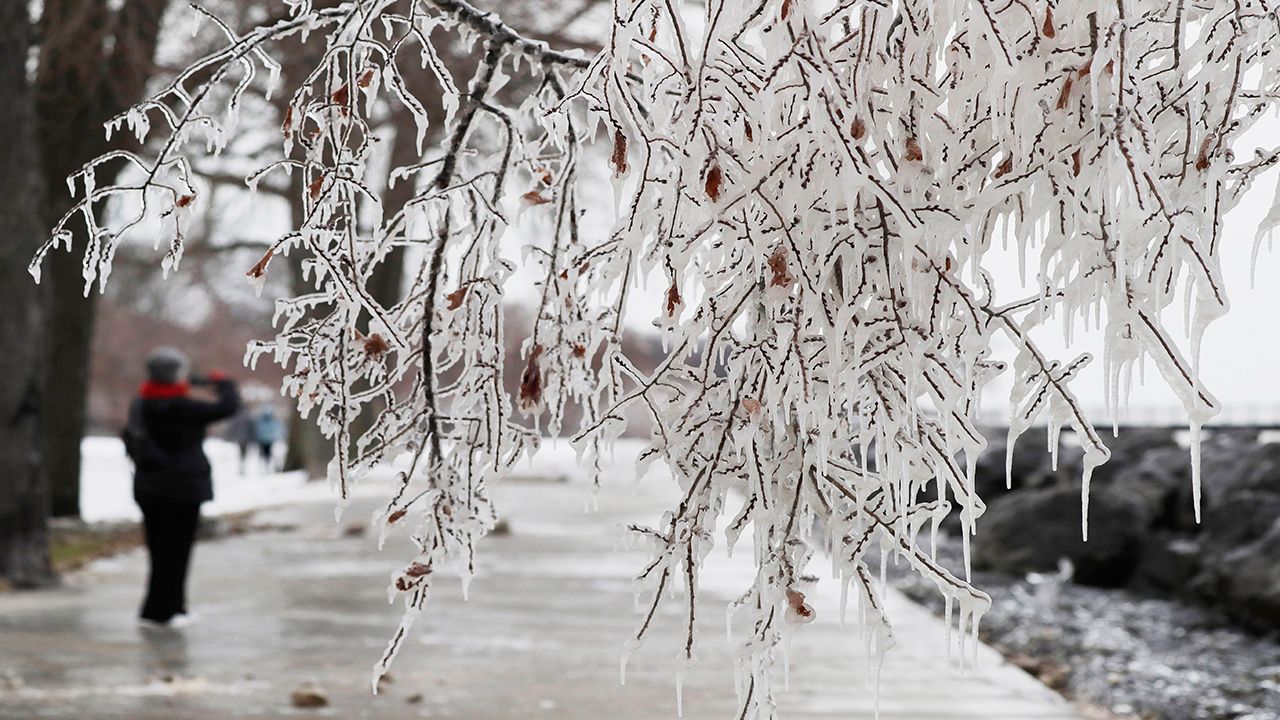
<point x="1064" y="97"/>
<point x="375" y="345"/>
<point x="341" y="96"/>
<point x="674" y="301"/>
<point x="260" y="268"/>
<point x="453" y="300"/>
<point x="1005" y="167"/>
<point x="533" y="197"/>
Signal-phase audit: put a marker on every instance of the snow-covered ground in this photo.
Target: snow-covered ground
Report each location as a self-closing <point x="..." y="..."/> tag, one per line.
<point x="106" y="482"/>
<point x="106" y="479"/>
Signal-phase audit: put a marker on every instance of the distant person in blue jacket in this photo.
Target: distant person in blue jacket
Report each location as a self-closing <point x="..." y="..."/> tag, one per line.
<point x="267" y="431"/>
<point x="172" y="477"/>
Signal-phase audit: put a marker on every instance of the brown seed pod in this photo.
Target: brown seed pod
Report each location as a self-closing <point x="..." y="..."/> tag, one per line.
<point x="914" y="153"/>
<point x="1202" y="157"/>
<point x="1048" y="30"/>
<point x="530" y="398"/>
<point x="715" y="176"/>
<point x="619" y="159"/>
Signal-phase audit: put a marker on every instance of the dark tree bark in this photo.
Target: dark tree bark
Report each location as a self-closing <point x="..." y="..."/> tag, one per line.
<point x="24" y="541"/>
<point x="94" y="63"/>
<point x="308" y="449"/>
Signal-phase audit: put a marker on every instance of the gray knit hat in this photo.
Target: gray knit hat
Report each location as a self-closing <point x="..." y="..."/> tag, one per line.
<point x="167" y="365"/>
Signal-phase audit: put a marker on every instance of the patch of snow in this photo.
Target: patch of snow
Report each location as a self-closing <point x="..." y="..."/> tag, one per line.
<point x="106" y="482"/>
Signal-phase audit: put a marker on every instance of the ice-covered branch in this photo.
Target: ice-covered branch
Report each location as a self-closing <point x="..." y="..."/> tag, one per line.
<point x="816" y="187"/>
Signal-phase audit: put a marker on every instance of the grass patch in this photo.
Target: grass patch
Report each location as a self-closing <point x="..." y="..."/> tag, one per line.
<point x="74" y="546"/>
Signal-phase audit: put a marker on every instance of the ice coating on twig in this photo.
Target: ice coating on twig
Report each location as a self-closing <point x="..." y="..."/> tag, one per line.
<point x="815" y="189"/>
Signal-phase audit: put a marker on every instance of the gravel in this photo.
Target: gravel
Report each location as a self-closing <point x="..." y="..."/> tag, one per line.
<point x="1133" y="655"/>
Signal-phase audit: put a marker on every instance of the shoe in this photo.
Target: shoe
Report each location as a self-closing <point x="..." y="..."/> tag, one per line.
<point x="177" y="622"/>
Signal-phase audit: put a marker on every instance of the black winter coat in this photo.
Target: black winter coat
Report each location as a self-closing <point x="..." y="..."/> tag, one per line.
<point x="177" y="426"/>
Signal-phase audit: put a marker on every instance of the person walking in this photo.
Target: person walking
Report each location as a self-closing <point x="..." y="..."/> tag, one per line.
<point x="172" y="477"/>
<point x="267" y="431"/>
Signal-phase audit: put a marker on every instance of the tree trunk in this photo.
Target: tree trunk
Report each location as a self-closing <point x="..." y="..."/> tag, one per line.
<point x="24" y="540"/>
<point x="68" y="332"/>
<point x="94" y="63"/>
<point x="386" y="282"/>
<point x="308" y="449"/>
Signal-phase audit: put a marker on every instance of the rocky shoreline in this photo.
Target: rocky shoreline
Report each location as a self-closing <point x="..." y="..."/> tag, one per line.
<point x="1130" y="654"/>
<point x="1158" y="616"/>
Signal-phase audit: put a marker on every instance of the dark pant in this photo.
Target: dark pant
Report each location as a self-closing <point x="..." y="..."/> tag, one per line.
<point x="170" y="530"/>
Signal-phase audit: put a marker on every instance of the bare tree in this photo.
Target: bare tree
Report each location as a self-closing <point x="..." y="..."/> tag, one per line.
<point x="94" y="60"/>
<point x="24" y="546"/>
<point x="818" y="184"/>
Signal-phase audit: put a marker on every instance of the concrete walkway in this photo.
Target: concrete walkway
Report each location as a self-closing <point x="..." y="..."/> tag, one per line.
<point x="539" y="638"/>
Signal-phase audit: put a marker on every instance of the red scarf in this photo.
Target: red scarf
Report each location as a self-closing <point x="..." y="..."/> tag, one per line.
<point x="162" y="391"/>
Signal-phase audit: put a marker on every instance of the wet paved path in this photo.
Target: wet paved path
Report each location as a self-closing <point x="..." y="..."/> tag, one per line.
<point x="539" y="638"/>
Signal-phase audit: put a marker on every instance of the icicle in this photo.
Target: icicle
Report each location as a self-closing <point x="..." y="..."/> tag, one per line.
<point x="680" y="693"/>
<point x="946" y="618"/>
<point x="1195" y="468"/>
<point x="844" y="598"/>
<point x="1084" y="501"/>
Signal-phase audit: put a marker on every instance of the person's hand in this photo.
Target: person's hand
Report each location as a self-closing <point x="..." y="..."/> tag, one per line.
<point x="211" y="379"/>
